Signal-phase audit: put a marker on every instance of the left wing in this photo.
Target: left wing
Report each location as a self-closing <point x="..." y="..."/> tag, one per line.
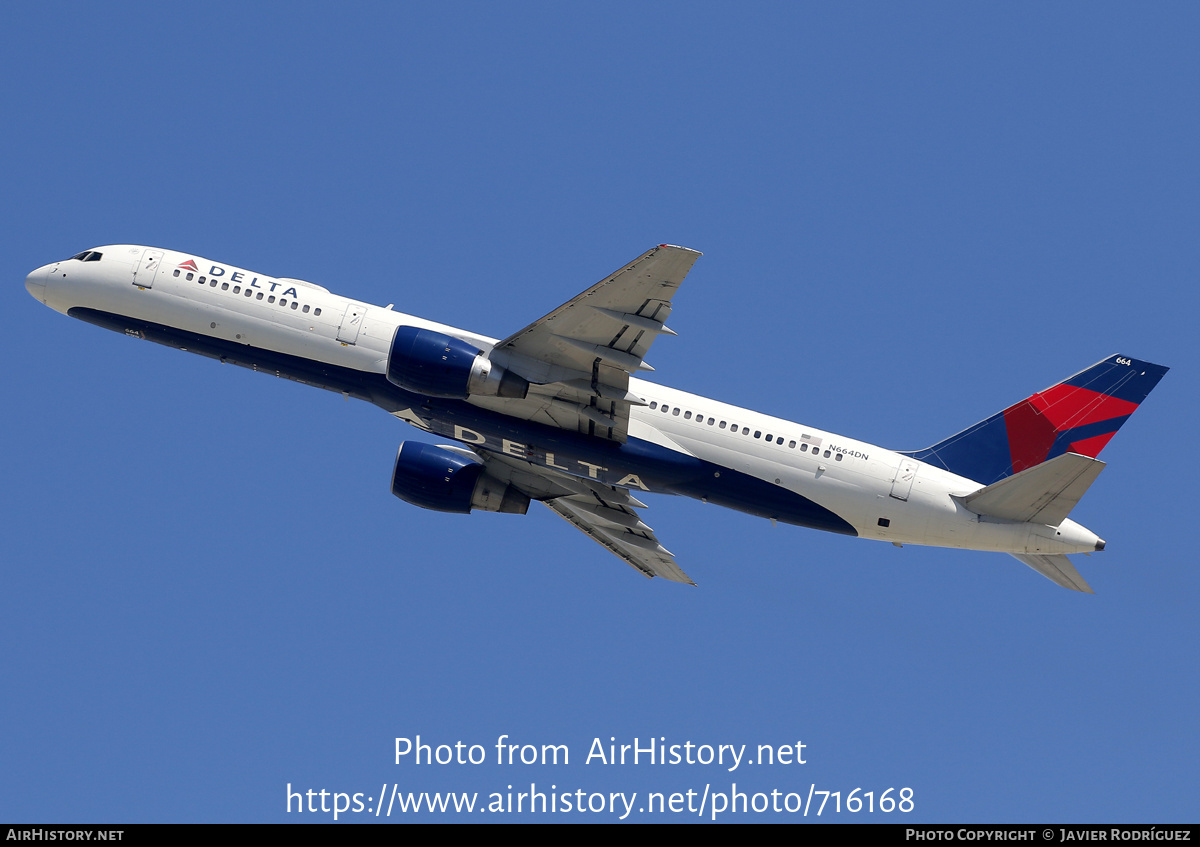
<point x="603" y="512"/>
<point x="580" y="356"/>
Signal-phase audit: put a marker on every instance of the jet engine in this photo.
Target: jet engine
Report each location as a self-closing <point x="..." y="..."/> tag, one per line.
<point x="440" y="365"/>
<point x="435" y="478"/>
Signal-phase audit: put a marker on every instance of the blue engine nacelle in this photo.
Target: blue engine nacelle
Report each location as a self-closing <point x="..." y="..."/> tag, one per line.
<point x="440" y="365"/>
<point x="438" y="479"/>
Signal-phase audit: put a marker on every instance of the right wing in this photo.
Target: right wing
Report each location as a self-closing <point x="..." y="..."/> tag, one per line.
<point x="604" y="513"/>
<point x="613" y="524"/>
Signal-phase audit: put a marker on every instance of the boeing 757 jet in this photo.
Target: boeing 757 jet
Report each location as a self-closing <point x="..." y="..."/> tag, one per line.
<point x="554" y="413"/>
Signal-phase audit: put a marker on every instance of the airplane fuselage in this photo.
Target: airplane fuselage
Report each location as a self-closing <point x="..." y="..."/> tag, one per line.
<point x="678" y="443"/>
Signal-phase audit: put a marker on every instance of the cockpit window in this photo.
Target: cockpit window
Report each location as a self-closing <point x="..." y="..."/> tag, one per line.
<point x="88" y="256"/>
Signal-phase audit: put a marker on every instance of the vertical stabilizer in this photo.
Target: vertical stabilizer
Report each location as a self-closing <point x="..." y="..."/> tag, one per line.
<point x="1078" y="415"/>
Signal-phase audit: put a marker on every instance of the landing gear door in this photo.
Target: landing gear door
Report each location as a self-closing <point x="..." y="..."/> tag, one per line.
<point x="146" y="268"/>
<point x="905" y="474"/>
<point x="351" y="323"/>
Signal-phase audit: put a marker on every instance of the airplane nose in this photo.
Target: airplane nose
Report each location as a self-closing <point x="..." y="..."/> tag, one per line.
<point x="35" y="283"/>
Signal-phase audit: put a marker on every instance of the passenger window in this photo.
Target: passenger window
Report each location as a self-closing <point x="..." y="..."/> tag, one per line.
<point x="838" y="457"/>
<point x="213" y="284"/>
<point x="758" y="433"/>
<point x="687" y="416"/>
<point x="237" y="289"/>
<point x="305" y="309"/>
<point x="317" y="311"/>
<point x="249" y="292"/>
<point x="202" y="280"/>
<point x="675" y="411"/>
<point x="653" y="405"/>
<point x="803" y="448"/>
<point x="259" y="297"/>
<point x="282" y="302"/>
<point x="666" y="408"/>
<point x="174" y="274"/>
<point x="791" y="445"/>
<point x="733" y="427"/>
<point x="712" y="421"/>
<point x="190" y="277"/>
<point x="294" y="304"/>
<point x="224" y="286"/>
<point x="826" y="454"/>
<point x="722" y="426"/>
<point x="271" y="299"/>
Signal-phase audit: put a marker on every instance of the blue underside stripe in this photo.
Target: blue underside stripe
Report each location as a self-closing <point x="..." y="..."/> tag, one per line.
<point x="662" y="470"/>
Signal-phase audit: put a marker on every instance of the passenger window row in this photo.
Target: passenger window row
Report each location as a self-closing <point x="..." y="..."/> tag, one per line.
<point x="744" y="430"/>
<point x="250" y="292"/>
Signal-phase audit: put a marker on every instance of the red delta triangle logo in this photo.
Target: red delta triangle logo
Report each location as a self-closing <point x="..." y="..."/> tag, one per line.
<point x="189" y="265"/>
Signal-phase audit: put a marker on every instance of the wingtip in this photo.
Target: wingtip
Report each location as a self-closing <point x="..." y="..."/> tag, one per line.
<point x="679" y="247"/>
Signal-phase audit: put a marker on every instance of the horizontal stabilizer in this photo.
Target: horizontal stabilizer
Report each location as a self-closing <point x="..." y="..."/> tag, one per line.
<point x="1057" y="569"/>
<point x="1043" y="494"/>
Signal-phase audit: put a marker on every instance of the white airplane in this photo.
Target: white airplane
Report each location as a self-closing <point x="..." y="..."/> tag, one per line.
<point x="554" y="413"/>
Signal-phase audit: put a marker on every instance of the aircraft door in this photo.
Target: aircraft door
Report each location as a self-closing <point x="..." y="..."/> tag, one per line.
<point x="905" y="474"/>
<point x="351" y="323"/>
<point x="146" y="268"/>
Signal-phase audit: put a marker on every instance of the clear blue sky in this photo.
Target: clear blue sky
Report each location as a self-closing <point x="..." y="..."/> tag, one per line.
<point x="910" y="218"/>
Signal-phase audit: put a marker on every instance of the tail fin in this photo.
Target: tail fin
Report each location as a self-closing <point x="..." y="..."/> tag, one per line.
<point x="1079" y="415"/>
